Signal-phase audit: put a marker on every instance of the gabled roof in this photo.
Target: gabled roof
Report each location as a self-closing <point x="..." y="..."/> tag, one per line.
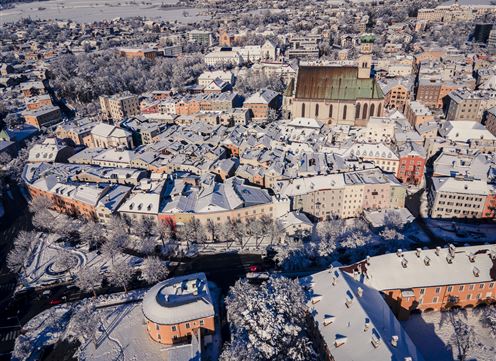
<point x="335" y="83"/>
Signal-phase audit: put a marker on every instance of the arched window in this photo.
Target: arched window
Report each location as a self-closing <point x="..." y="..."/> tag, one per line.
<point x="357" y="111"/>
<point x="316" y="110"/>
<point x="379" y="110"/>
<point x="345" y="111"/>
<point x="303" y="110"/>
<point x="330" y="111"/>
<point x="365" y="109"/>
<point x="372" y="108"/>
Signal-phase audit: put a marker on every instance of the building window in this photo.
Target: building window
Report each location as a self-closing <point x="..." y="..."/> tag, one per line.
<point x="345" y="111"/>
<point x="372" y="108"/>
<point x="450" y="288"/>
<point x="303" y="110"/>
<point x="469" y="296"/>
<point x="438" y="289"/>
<point x="461" y="288"/>
<point x="365" y="109"/>
<point x="357" y="111"/>
<point x="174" y="328"/>
<point x="157" y="327"/>
<point x="330" y="111"/>
<point x="434" y="300"/>
<point x="188" y="325"/>
<point x="316" y="110"/>
<point x="422" y="291"/>
<point x="202" y="323"/>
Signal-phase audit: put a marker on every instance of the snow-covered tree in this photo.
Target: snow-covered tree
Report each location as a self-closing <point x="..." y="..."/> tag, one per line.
<point x="121" y="275"/>
<point x="39" y="204"/>
<point x="84" y="323"/>
<point x="268" y="322"/>
<point x="192" y="231"/>
<point x="88" y="279"/>
<point x="18" y="255"/>
<point x="147" y="245"/>
<point x="112" y="247"/>
<point x="154" y="270"/>
<point x="488" y="319"/>
<point x="233" y="230"/>
<point x="463" y="336"/>
<point x="66" y="261"/>
<point x="92" y="232"/>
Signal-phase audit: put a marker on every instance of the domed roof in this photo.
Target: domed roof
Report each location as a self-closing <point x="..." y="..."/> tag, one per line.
<point x="178" y="300"/>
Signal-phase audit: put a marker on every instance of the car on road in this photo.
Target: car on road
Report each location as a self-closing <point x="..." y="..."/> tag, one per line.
<point x="55" y="301"/>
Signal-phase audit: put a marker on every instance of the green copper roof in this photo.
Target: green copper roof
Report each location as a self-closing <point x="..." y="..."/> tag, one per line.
<point x="335" y="83"/>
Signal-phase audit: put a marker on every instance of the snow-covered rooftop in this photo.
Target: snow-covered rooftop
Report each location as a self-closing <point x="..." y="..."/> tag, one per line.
<point x="178" y="300"/>
<point x="354" y="320"/>
<point x="433" y="267"/>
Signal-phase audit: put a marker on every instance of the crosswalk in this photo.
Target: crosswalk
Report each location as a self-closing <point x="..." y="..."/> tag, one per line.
<point x="9" y="335"/>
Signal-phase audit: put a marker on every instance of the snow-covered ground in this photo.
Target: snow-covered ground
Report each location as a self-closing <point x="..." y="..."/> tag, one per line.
<point x="42" y="269"/>
<point x="120" y="331"/>
<point x="95" y="10"/>
<point x="462" y="233"/>
<point x="432" y="331"/>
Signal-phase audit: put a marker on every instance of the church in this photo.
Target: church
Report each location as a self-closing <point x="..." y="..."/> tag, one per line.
<point x="336" y="94"/>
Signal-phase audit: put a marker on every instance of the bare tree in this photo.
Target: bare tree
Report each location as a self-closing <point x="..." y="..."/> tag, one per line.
<point x="121" y="275"/>
<point x="88" y="278"/>
<point x="39" y="204"/>
<point x="154" y="270"/>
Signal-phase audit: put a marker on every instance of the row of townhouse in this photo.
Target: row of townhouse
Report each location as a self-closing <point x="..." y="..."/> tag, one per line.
<point x="176" y="199"/>
<point x="344" y="195"/>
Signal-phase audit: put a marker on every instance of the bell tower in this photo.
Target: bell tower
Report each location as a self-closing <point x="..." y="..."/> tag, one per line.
<point x="365" y="58"/>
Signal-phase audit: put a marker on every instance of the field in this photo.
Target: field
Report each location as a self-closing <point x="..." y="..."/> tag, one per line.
<point x="93" y="10"/>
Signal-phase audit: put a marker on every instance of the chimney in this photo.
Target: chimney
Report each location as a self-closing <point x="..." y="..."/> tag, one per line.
<point x="476" y="271"/>
<point x="452" y="249"/>
<point x="367" y="325"/>
<point x="471" y="257"/>
<point x="394" y="340"/>
<point x="399" y="252"/>
<point x="427" y="261"/>
<point x="328" y="319"/>
<point x="341" y="340"/>
<point x="449" y="259"/>
<point x="404" y="262"/>
<point x="438" y="251"/>
<point x="316" y="299"/>
<point x="349" y="301"/>
<point x="418" y="252"/>
<point x="360" y="291"/>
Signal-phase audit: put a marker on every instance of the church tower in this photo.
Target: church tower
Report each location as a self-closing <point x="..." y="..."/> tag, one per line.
<point x="365" y="58"/>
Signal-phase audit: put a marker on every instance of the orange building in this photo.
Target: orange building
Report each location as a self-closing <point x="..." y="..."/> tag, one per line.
<point x="178" y="309"/>
<point x="432" y="280"/>
<point x="43" y="117"/>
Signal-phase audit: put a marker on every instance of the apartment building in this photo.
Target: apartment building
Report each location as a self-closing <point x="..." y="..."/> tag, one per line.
<point x="200" y="37"/>
<point x="137" y="53"/>
<point x="43" y="117"/>
<point x="344" y="195"/>
<point x="460" y="198"/>
<point x="490" y="121"/>
<point x="411" y="167"/>
<point x="262" y="101"/>
<point x="37" y="102"/>
<point x="466" y="105"/>
<point x="120" y="106"/>
<point x="417" y="113"/>
<point x="433" y="279"/>
<point x="397" y="93"/>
